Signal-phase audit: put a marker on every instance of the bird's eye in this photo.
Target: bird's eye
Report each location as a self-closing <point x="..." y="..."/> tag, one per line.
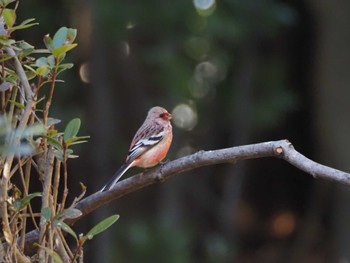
<point x="162" y="115"/>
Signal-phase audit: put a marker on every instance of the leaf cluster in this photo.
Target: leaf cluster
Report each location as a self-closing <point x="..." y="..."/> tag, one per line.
<point x="33" y="149"/>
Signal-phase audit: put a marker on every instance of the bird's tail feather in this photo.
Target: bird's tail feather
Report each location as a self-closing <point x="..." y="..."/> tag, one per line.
<point x="119" y="173"/>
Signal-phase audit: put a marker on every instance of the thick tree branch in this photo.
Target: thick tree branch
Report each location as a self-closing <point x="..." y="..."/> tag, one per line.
<point x="282" y="149"/>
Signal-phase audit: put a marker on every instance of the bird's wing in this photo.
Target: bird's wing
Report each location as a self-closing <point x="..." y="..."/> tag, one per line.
<point x="144" y="140"/>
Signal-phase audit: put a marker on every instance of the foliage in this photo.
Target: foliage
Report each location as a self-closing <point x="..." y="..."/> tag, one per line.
<point x="30" y="145"/>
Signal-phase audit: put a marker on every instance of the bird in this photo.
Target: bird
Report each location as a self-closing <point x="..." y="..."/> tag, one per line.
<point x="149" y="146"/>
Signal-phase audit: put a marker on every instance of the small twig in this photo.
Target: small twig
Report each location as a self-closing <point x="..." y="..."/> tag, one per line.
<point x="64" y="244"/>
<point x="45" y="200"/>
<point x="27" y="179"/>
<point x="56" y="183"/>
<point x="52" y="89"/>
<point x="26" y="87"/>
<point x="24" y="211"/>
<point x="3" y="202"/>
<point x="61" y="250"/>
<point x="78" y="198"/>
<point x="65" y="180"/>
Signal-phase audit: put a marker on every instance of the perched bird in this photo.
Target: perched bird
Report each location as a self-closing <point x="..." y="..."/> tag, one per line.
<point x="149" y="145"/>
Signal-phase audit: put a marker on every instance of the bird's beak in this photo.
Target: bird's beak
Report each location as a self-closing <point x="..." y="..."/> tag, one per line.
<point x="169" y="116"/>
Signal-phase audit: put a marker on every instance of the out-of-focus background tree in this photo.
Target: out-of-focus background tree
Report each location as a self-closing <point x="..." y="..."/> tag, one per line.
<point x="231" y="72"/>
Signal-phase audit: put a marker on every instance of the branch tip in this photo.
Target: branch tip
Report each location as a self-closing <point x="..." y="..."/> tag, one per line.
<point x="279" y="150"/>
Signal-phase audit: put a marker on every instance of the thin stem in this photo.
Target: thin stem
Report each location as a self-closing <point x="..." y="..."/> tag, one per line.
<point x="45" y="201"/>
<point x="56" y="182"/>
<point x="52" y="89"/>
<point x="26" y="87"/>
<point x="61" y="249"/>
<point x="65" y="174"/>
<point x="24" y="211"/>
<point x="3" y="93"/>
<point x="65" y="244"/>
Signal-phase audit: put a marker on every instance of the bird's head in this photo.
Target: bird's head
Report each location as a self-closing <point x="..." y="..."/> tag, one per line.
<point x="159" y="113"/>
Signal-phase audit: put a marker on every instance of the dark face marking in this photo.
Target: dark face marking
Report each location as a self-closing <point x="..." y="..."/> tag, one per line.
<point x="164" y="116"/>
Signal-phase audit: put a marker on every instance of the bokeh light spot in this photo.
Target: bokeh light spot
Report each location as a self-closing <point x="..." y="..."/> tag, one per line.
<point x="199" y="90"/>
<point x="130" y="25"/>
<point x="203" y="4"/>
<point x="206" y="70"/>
<point x="205" y="76"/>
<point x="184" y="117"/>
<point x="283" y="224"/>
<point x="125" y="48"/>
<point x="84" y="72"/>
<point x="204" y="7"/>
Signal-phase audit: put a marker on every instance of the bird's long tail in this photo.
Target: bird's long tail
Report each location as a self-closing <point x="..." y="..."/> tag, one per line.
<point x="119" y="173"/>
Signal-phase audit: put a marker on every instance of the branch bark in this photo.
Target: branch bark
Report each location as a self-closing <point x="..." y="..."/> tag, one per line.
<point x="282" y="149"/>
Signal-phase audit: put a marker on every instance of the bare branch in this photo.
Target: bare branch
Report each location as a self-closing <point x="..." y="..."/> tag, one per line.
<point x="24" y="118"/>
<point x="282" y="149"/>
<point x="26" y="86"/>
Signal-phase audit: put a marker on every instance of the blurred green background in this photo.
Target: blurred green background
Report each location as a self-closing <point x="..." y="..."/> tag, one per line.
<point x="232" y="72"/>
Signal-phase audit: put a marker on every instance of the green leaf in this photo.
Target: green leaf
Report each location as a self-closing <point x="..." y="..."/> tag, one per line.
<point x="23" y="26"/>
<point x="40" y="62"/>
<point x="69" y="213"/>
<point x="25" y="47"/>
<point x="25" y="200"/>
<point x="55" y="143"/>
<point x="59" y="155"/>
<point x="69" y="152"/>
<point x="27" y="21"/>
<point x="63" y="67"/>
<point x="20" y="204"/>
<point x="17" y="104"/>
<point x="23" y="149"/>
<point x="72" y="129"/>
<point x="52" y="121"/>
<point x="48" y="42"/>
<point x="30" y="73"/>
<point x="58" y="52"/>
<point x="9" y="16"/>
<point x="60" y="37"/>
<point x="64" y="36"/>
<point x="71" y="35"/>
<point x="51" y="61"/>
<point x="56" y="258"/>
<point x="46" y="213"/>
<point x="4" y="3"/>
<point x="42" y="71"/>
<point x="12" y="77"/>
<point x="30" y="68"/>
<point x="76" y="140"/>
<point x="102" y="226"/>
<point x="6" y="42"/>
<point x="65" y="228"/>
<point x="30" y="131"/>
